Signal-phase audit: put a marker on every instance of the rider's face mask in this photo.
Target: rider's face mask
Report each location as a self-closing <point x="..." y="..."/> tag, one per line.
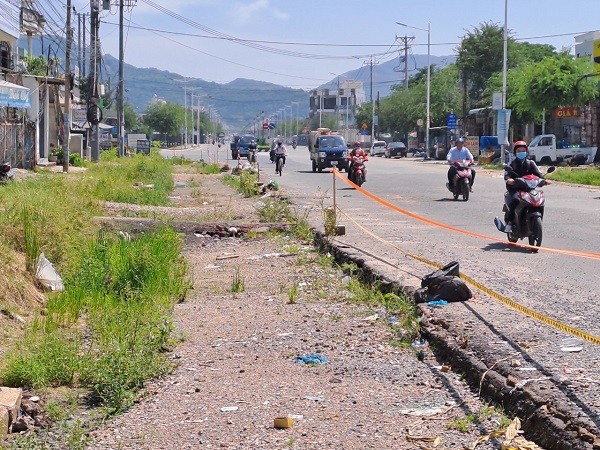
<point x="521" y="155"/>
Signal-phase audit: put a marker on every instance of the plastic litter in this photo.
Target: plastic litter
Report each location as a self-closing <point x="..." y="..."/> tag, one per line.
<point x="229" y="408"/>
<point x="312" y="358"/>
<point x="47" y="275"/>
<point x="571" y="345"/>
<point x="437" y="303"/>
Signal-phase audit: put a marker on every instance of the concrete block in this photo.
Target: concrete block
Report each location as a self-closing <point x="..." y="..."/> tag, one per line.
<point x="10" y="398"/>
<point x="4" y="420"/>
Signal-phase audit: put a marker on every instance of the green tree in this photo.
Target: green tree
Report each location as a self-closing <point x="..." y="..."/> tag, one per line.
<point x="558" y="80"/>
<point x="132" y="120"/>
<point x="165" y="118"/>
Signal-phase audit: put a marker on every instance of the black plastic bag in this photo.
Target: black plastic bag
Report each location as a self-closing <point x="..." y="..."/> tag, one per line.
<point x="450" y="269"/>
<point x="443" y="284"/>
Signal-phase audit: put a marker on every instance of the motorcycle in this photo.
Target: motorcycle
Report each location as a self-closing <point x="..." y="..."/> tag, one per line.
<point x="462" y="181"/>
<point x="6" y="173"/>
<point x="530" y="210"/>
<point x="294" y="145"/>
<point x="357" y="168"/>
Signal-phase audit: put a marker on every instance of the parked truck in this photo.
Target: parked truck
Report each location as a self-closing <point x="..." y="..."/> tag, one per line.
<point x="545" y="149"/>
<point x="326" y="149"/>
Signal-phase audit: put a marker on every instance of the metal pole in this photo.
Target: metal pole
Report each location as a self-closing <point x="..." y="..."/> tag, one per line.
<point x="428" y="125"/>
<point x="121" y="90"/>
<point x="93" y="83"/>
<point x="83" y="72"/>
<point x="68" y="87"/>
<point x="320" y="109"/>
<point x="504" y="56"/>
<point x="79" y="60"/>
<point x="185" y="113"/>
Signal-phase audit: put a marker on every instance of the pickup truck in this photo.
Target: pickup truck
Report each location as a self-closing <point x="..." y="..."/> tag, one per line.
<point x="545" y="149"/>
<point x="327" y="149"/>
<point x="239" y="145"/>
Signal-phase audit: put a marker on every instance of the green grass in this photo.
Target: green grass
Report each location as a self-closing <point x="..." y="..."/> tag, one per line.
<point x="588" y="175"/>
<point x="244" y="183"/>
<point x="273" y="210"/>
<point x="237" y="284"/>
<point x="141" y="179"/>
<point x="107" y="332"/>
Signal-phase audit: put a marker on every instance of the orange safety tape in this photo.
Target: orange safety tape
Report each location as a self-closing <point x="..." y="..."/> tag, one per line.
<point x="588" y="255"/>
<point x="493" y="294"/>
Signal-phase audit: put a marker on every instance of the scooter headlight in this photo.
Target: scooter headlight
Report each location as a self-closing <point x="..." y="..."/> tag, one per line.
<point x="322" y="154"/>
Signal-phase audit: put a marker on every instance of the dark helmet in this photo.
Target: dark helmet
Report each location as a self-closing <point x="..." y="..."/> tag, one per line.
<point x="460" y="141"/>
<point x="518" y="144"/>
<point x="357" y="144"/>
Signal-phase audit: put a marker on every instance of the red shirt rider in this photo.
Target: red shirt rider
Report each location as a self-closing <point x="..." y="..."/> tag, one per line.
<point x="357" y="151"/>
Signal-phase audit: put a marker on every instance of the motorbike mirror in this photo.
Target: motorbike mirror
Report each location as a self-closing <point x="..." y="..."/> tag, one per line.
<point x="551" y="169"/>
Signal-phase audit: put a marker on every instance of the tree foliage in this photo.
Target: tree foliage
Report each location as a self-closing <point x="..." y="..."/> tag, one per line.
<point x="165" y="118"/>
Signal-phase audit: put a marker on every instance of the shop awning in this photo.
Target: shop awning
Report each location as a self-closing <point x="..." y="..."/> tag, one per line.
<point x="14" y="95"/>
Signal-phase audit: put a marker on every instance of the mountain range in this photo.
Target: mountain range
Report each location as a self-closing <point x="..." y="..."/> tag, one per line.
<point x="241" y="102"/>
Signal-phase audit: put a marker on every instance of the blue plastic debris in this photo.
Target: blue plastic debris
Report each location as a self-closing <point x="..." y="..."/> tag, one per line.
<point x="312" y="358"/>
<point x="436" y="303"/>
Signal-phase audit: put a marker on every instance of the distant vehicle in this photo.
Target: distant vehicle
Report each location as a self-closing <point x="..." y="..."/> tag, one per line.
<point x="327" y="149"/>
<point x="378" y="148"/>
<point x="545" y="149"/>
<point x="302" y="139"/>
<point x="396" y="149"/>
<point x="239" y="146"/>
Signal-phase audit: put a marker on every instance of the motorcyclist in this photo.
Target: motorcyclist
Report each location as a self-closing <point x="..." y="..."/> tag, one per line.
<point x="252" y="148"/>
<point x="357" y="151"/>
<point x="280" y="150"/>
<point x="521" y="166"/>
<point x="272" y="151"/>
<point x="457" y="154"/>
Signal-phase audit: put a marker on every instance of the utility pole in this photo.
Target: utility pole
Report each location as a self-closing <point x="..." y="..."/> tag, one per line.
<point x="83" y="49"/>
<point x="121" y="89"/>
<point x="406" y="40"/>
<point x="93" y="81"/>
<point x="79" y="60"/>
<point x="68" y="87"/>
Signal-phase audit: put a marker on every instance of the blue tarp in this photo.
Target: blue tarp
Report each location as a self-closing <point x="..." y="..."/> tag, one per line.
<point x="14" y="95"/>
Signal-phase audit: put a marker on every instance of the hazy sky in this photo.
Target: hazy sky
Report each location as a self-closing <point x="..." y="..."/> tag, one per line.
<point x="302" y="43"/>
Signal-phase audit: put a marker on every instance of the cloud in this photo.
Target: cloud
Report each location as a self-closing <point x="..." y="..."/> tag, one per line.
<point x="244" y="13"/>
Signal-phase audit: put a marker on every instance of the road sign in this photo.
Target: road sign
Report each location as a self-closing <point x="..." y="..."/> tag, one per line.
<point x="451" y="121"/>
<point x="503" y="124"/>
<point x="272" y="126"/>
<point x="265" y="126"/>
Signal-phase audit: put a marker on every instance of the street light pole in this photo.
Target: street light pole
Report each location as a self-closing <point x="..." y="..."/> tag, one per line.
<point x="297" y="114"/>
<point x="505" y="47"/>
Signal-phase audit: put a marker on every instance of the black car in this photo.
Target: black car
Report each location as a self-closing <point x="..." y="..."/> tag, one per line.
<point x="396" y="149"/>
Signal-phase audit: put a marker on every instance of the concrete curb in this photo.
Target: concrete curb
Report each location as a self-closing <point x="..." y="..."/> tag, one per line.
<point x="548" y="417"/>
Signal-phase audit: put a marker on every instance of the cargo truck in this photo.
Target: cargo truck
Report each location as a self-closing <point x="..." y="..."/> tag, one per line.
<point x="327" y="149"/>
